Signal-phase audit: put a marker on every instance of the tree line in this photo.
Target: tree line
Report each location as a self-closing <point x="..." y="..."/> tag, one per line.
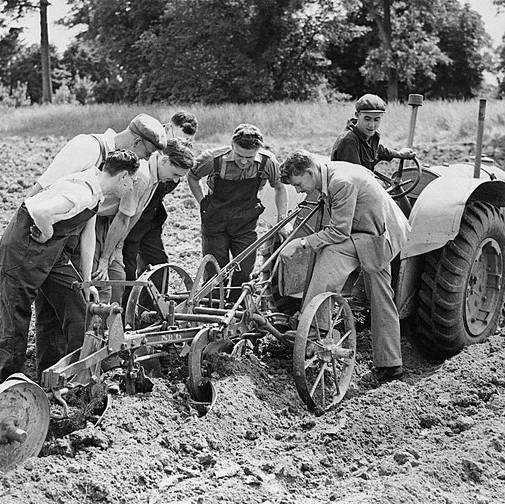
<point x="214" y="51"/>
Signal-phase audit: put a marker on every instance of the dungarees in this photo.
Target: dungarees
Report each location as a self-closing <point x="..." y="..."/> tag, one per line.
<point x="144" y="239"/>
<point x="229" y="216"/>
<point x="27" y="267"/>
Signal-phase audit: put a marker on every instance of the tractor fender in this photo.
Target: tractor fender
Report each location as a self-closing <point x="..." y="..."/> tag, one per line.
<point x="435" y="220"/>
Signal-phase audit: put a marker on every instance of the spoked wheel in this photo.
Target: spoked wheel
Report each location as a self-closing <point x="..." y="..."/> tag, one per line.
<point x="24" y="420"/>
<point x="215" y="298"/>
<point x="324" y="352"/>
<point x="164" y="279"/>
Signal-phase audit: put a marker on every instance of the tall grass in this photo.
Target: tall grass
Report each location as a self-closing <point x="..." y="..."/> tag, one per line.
<point x="438" y="121"/>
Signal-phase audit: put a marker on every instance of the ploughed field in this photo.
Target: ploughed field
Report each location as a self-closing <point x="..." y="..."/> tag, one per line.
<point x="436" y="436"/>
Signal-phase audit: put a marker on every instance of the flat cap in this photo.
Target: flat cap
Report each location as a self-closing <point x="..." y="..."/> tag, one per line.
<point x="370" y="103"/>
<point x="150" y="129"/>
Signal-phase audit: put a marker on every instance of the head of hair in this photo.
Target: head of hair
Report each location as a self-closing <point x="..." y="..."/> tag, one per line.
<point x="179" y="152"/>
<point x="297" y="163"/>
<point x="121" y="160"/>
<point x="247" y="136"/>
<point x="186" y="121"/>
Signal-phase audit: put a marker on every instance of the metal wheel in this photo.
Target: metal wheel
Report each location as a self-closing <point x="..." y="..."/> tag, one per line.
<point x="165" y="279"/>
<point x="324" y="351"/>
<point x="24" y="420"/>
<point x="216" y="296"/>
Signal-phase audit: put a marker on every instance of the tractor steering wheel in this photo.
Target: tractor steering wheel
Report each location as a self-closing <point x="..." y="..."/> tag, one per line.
<point x="397" y="187"/>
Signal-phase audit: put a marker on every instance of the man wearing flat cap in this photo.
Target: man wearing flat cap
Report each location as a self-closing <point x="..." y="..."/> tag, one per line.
<point x="360" y="142"/>
<point x="230" y="210"/>
<point x="143" y="136"/>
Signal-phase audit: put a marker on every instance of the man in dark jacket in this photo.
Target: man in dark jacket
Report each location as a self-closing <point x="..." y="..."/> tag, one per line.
<point x="360" y="143"/>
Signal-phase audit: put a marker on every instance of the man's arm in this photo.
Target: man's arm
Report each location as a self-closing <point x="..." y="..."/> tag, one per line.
<point x="386" y="154"/>
<point x="281" y="200"/>
<point x="346" y="149"/>
<point x="87" y="246"/>
<point x="343" y="197"/>
<point x="116" y="233"/>
<point x="195" y="187"/>
<point x="45" y="213"/>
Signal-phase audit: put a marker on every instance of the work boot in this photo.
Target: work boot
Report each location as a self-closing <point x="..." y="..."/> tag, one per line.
<point x="387" y="374"/>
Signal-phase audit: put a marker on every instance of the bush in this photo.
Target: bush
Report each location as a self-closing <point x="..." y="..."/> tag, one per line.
<point x="16" y="96"/>
<point x="84" y="88"/>
<point x="63" y="95"/>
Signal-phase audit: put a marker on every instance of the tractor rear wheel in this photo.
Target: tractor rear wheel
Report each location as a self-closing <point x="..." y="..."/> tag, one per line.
<point x="463" y="284"/>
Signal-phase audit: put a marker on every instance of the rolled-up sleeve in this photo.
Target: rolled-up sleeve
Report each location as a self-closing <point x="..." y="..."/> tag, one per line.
<point x="343" y="197"/>
<point x="204" y="165"/>
<point x="384" y="154"/>
<point x="272" y="171"/>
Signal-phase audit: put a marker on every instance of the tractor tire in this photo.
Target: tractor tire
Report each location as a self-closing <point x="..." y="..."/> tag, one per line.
<point x="463" y="284"/>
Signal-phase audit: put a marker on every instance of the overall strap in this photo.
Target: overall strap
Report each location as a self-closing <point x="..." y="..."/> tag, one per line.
<point x="219" y="167"/>
<point x="261" y="169"/>
<point x="103" y="151"/>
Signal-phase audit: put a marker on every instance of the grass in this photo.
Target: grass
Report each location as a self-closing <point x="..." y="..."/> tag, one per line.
<point x="438" y="121"/>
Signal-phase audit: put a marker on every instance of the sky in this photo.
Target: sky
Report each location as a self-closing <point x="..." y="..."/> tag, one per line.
<point x="61" y="36"/>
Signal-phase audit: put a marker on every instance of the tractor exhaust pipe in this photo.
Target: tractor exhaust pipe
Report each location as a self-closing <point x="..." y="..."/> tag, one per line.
<point x="480" y="134"/>
<point x="415" y="101"/>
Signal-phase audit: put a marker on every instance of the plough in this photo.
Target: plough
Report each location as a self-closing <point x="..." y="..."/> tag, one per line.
<point x="168" y="310"/>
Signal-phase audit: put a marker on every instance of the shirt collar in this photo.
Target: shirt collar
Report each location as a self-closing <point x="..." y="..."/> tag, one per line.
<point x="153" y="161"/>
<point x="324" y="179"/>
<point x="229" y="157"/>
<point x="352" y="126"/>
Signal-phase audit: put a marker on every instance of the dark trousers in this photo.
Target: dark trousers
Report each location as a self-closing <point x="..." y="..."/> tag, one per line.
<point x="220" y="245"/>
<point x="27" y="267"/>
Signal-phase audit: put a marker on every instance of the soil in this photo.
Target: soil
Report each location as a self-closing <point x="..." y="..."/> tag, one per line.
<point x="435" y="436"/>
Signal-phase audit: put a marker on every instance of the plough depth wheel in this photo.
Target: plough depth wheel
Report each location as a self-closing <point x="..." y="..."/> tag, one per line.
<point x="167" y="279"/>
<point x="24" y="420"/>
<point x="210" y="264"/>
<point x="324" y="351"/>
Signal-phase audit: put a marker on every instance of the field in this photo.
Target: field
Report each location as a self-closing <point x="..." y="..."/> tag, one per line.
<point x="435" y="437"/>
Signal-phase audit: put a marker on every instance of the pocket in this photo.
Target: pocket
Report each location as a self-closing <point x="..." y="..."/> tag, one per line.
<point x="374" y="252"/>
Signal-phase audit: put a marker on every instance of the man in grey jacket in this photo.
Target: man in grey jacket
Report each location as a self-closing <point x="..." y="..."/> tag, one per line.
<point x="367" y="230"/>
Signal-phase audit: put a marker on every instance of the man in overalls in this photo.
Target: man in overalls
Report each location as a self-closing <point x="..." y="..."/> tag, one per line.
<point x="143" y="136"/>
<point x="230" y="211"/>
<point x="35" y="252"/>
<point x="143" y="244"/>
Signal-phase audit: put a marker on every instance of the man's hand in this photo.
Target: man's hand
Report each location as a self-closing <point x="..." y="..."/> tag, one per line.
<point x="407" y="153"/>
<point x="91" y="294"/>
<point x="102" y="272"/>
<point x="285" y="231"/>
<point x="290" y="249"/>
<point x="37" y="235"/>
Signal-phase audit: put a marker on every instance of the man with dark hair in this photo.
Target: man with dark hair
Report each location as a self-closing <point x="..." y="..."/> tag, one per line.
<point x="35" y="252"/>
<point x="230" y="210"/>
<point x="360" y="142"/>
<point x="367" y="230"/>
<point x="156" y="177"/>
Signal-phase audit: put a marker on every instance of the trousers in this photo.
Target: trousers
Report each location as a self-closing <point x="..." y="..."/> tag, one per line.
<point x="334" y="264"/>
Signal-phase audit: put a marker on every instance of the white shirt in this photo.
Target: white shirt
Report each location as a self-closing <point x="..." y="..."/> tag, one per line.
<point x="147" y="181"/>
<point x="81" y="189"/>
<point x="83" y="153"/>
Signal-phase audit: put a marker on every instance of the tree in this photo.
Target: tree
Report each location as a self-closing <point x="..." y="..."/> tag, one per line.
<point x="19" y="7"/>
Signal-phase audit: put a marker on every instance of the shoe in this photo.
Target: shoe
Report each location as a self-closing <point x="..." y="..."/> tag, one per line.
<point x="387" y="374"/>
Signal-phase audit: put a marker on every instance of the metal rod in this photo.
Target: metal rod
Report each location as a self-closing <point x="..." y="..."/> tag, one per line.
<point x="233" y="264"/>
<point x="291" y="237"/>
<point x="215" y="311"/>
<point x="480" y="134"/>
